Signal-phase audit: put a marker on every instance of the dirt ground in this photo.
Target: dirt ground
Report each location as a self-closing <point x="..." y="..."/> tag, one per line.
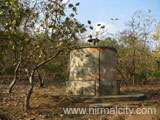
<point x="46" y="106"/>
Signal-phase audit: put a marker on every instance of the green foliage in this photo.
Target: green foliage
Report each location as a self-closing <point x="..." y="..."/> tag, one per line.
<point x="154" y="73"/>
<point x="9" y="70"/>
<point x="89" y="22"/>
<point x="56" y="69"/>
<point x="11" y="14"/>
<point x="70" y="5"/>
<point x="50" y="6"/>
<point x="91" y="27"/>
<point x="77" y="4"/>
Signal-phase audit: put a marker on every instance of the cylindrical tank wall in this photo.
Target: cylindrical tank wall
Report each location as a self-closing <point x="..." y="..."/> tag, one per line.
<point x="92" y="71"/>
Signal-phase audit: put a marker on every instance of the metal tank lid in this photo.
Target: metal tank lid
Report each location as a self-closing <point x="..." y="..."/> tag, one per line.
<point x="97" y="46"/>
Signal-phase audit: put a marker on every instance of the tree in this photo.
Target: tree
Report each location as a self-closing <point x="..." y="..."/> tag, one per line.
<point x="156" y="34"/>
<point x="133" y="46"/>
<point x="57" y="32"/>
<point x="58" y="36"/>
<point x="12" y="15"/>
<point x="139" y="29"/>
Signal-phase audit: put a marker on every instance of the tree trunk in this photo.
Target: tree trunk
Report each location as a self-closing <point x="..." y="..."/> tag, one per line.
<point x="15" y="75"/>
<point x="41" y="80"/>
<point x="31" y="79"/>
<point x="122" y="75"/>
<point x="133" y="65"/>
<point x="13" y="82"/>
<point x="30" y="89"/>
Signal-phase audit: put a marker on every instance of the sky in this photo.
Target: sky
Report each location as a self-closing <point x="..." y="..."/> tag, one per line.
<point x="101" y="11"/>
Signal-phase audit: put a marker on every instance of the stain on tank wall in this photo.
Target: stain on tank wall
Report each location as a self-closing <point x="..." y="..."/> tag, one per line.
<point x="90" y="67"/>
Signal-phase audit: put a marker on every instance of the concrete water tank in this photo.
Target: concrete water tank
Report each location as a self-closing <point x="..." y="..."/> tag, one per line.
<point x="92" y="71"/>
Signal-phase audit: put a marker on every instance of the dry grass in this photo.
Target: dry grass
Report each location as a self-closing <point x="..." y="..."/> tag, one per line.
<point x="46" y="106"/>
